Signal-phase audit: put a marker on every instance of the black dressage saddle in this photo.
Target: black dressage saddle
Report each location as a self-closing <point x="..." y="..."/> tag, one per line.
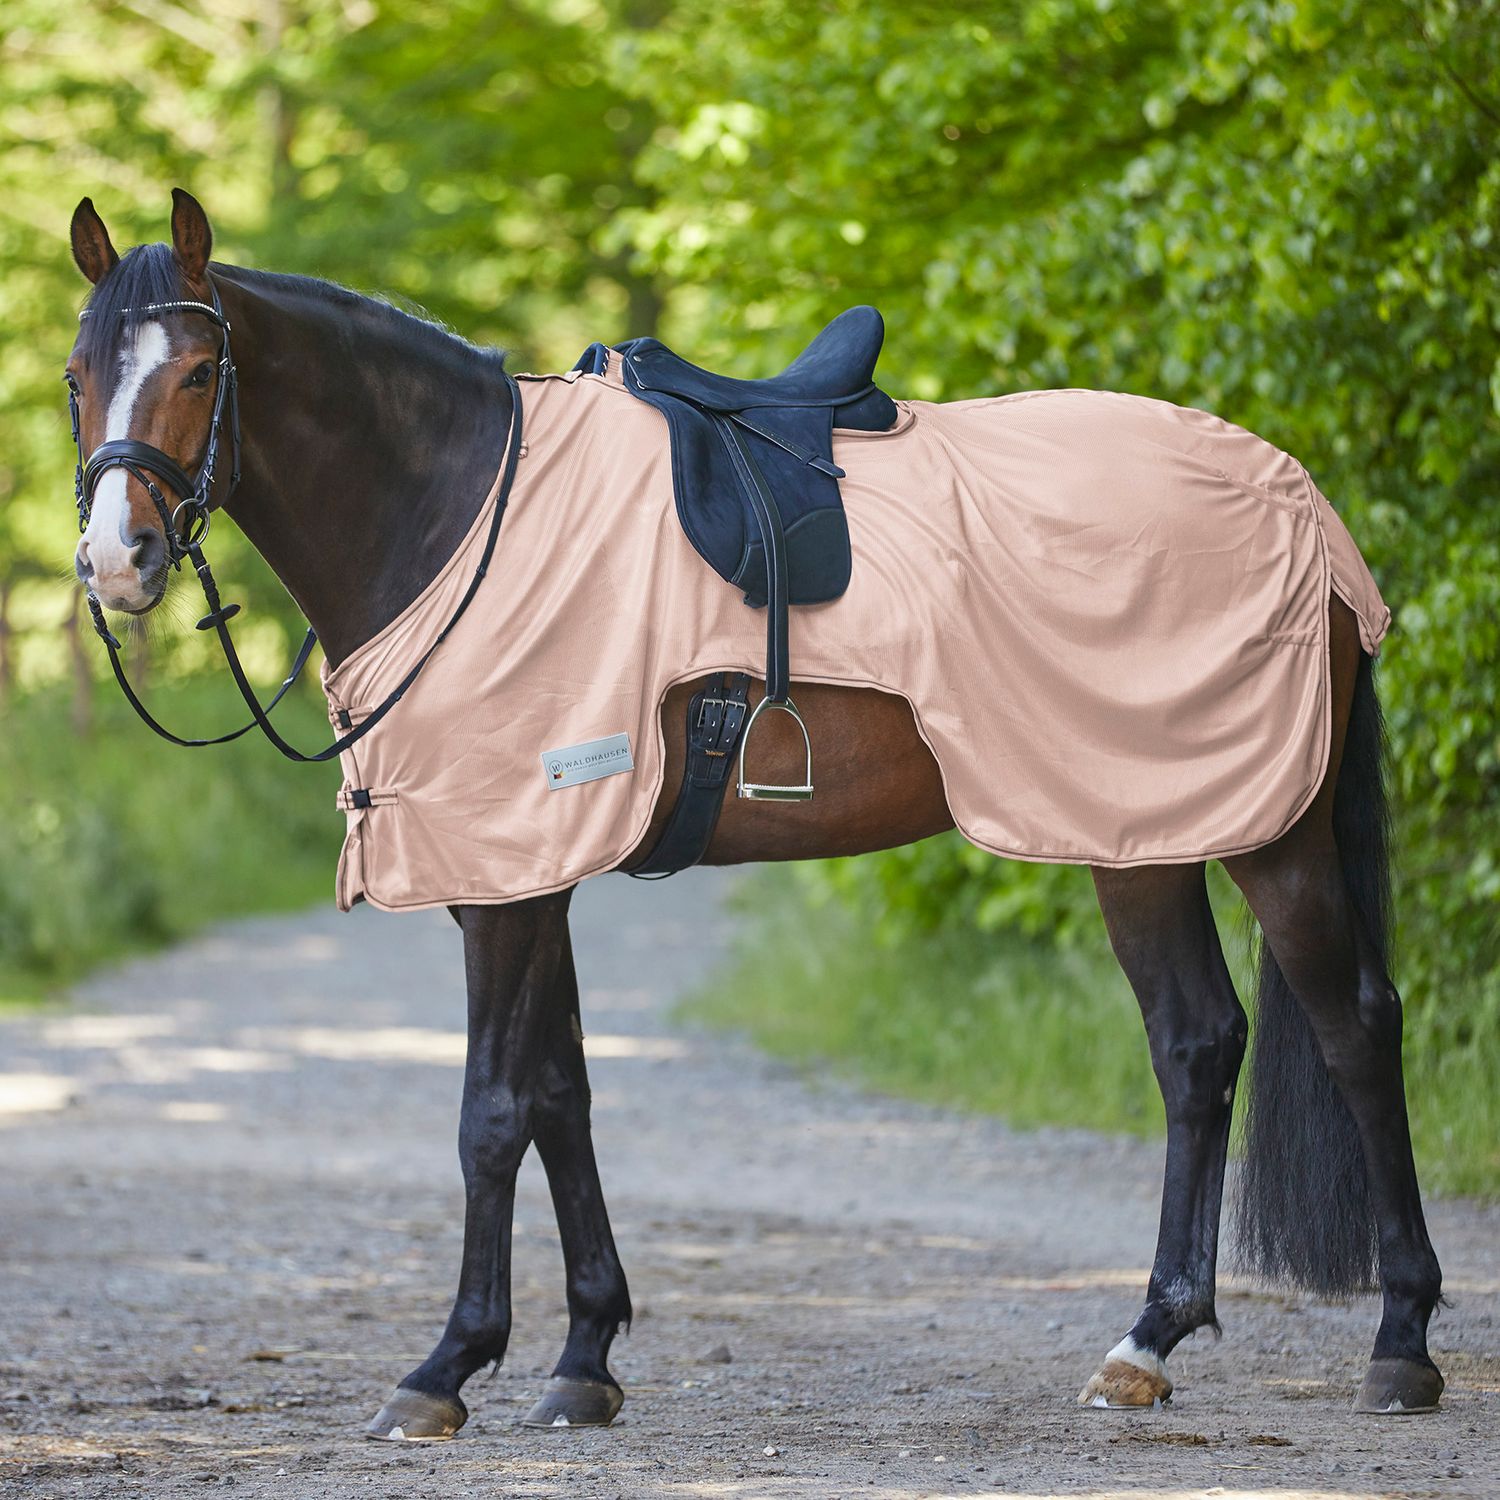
<point x="756" y="486"/>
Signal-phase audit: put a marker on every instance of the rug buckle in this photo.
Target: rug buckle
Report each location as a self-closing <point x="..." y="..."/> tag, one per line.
<point x="757" y="791"/>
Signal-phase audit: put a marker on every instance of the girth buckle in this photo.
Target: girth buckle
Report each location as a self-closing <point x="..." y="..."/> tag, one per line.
<point x="718" y="723"/>
<point x="758" y="791"/>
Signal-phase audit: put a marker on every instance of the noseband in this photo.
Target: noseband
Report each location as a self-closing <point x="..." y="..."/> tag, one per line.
<point x="192" y="511"/>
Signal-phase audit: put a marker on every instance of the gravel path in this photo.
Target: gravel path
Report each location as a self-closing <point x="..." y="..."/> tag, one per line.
<point x="230" y="1213"/>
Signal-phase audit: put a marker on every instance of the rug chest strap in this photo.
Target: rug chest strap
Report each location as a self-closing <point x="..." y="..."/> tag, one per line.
<point x="715" y="722"/>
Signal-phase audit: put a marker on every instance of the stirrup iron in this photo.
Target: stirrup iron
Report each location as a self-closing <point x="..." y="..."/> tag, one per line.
<point x="765" y="792"/>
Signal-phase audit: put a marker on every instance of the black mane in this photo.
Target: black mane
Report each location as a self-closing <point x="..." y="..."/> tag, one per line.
<point x="149" y="273"/>
<point x="408" y="326"/>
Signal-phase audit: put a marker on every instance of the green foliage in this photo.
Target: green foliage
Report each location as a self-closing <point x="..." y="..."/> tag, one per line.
<point x="111" y="842"/>
<point x="1286" y="211"/>
<point x="1039" y="1033"/>
<point x="1452" y="1056"/>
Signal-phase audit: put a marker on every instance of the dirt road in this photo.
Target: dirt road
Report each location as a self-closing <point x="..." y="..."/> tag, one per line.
<point x="230" y="1213"/>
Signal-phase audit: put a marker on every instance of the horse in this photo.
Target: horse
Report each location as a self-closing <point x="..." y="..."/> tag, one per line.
<point x="369" y="442"/>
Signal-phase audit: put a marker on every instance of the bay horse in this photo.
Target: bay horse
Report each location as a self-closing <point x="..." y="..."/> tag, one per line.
<point x="369" y="443"/>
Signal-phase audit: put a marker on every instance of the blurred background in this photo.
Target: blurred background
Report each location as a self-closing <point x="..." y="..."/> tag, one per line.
<point x="1287" y="213"/>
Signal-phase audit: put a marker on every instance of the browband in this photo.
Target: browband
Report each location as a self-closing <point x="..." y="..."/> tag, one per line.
<point x="208" y="311"/>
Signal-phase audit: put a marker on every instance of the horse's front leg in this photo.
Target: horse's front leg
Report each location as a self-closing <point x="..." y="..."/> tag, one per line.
<point x="1162" y="930"/>
<point x="581" y="1392"/>
<point x="513" y="956"/>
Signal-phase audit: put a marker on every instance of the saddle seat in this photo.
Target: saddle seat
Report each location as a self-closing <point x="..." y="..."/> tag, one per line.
<point x="837" y="367"/>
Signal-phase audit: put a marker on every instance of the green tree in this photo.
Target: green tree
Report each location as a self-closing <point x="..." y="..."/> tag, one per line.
<point x="462" y="160"/>
<point x="1282" y="210"/>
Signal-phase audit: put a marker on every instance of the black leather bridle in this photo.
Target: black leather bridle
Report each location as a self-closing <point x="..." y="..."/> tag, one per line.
<point x="185" y="525"/>
<point x="143" y="461"/>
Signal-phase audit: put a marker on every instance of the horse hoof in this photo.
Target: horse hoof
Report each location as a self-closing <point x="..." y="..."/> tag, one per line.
<point x="1398" y="1387"/>
<point x="415" y="1417"/>
<point x="1129" y="1377"/>
<point x="576" y="1403"/>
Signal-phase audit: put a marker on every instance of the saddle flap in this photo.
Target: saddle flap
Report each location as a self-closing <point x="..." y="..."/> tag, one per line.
<point x="717" y="517"/>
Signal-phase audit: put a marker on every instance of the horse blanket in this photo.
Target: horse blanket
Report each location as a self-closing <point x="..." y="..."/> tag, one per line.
<point x="1108" y="614"/>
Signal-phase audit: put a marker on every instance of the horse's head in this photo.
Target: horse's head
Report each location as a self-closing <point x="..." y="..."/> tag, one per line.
<point x="145" y="376"/>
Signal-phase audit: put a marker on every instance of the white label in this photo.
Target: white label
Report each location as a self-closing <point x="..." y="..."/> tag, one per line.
<point x="575" y="764"/>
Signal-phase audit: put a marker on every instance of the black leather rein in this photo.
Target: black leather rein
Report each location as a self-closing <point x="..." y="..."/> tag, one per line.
<point x="186" y="525"/>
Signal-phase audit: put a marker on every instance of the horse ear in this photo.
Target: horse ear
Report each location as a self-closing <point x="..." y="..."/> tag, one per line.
<point x="192" y="239"/>
<point x="92" y="251"/>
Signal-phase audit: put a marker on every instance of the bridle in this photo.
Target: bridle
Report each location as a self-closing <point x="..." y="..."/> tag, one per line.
<point x="185" y="526"/>
<point x="142" y="460"/>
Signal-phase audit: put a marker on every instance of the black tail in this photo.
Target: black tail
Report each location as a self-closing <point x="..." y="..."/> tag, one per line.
<point x="1303" y="1212"/>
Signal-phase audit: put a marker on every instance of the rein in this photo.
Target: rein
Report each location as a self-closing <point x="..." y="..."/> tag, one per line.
<point x="193" y="512"/>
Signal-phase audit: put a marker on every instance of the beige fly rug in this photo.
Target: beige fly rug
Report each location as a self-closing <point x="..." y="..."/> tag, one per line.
<point x="1109" y="615"/>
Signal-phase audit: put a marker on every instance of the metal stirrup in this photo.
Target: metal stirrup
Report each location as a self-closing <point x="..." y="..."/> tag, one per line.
<point x="757" y="791"/>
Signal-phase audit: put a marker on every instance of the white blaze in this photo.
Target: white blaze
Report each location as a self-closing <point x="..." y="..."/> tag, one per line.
<point x="109" y="521"/>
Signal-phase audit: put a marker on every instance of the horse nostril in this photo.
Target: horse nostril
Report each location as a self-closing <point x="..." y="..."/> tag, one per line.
<point x="81" y="564"/>
<point x="148" y="549"/>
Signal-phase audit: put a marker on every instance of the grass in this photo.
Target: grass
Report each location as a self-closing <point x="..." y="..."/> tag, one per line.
<point x="963" y="1019"/>
<point x="114" y="841"/>
<point x="1039" y="1035"/>
<point x="1452" y="1062"/>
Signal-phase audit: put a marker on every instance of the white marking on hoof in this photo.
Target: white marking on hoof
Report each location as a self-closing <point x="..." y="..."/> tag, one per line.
<point x="561" y="1421"/>
<point x="398" y="1434"/>
<point x="1131" y="1353"/>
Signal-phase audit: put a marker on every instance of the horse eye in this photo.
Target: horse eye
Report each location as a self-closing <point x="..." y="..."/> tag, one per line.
<point x="202" y="375"/>
<point x="72" y="383"/>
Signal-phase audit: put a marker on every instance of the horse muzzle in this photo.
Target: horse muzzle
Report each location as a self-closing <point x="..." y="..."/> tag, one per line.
<point x="128" y="574"/>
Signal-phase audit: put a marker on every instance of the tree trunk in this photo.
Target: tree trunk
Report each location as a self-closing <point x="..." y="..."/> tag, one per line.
<point x="281" y="110"/>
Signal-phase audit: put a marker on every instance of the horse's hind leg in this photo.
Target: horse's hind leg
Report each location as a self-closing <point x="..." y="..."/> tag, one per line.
<point x="1162" y="931"/>
<point x="1328" y="1147"/>
<point x="581" y="1392"/>
<point x="1298" y="892"/>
